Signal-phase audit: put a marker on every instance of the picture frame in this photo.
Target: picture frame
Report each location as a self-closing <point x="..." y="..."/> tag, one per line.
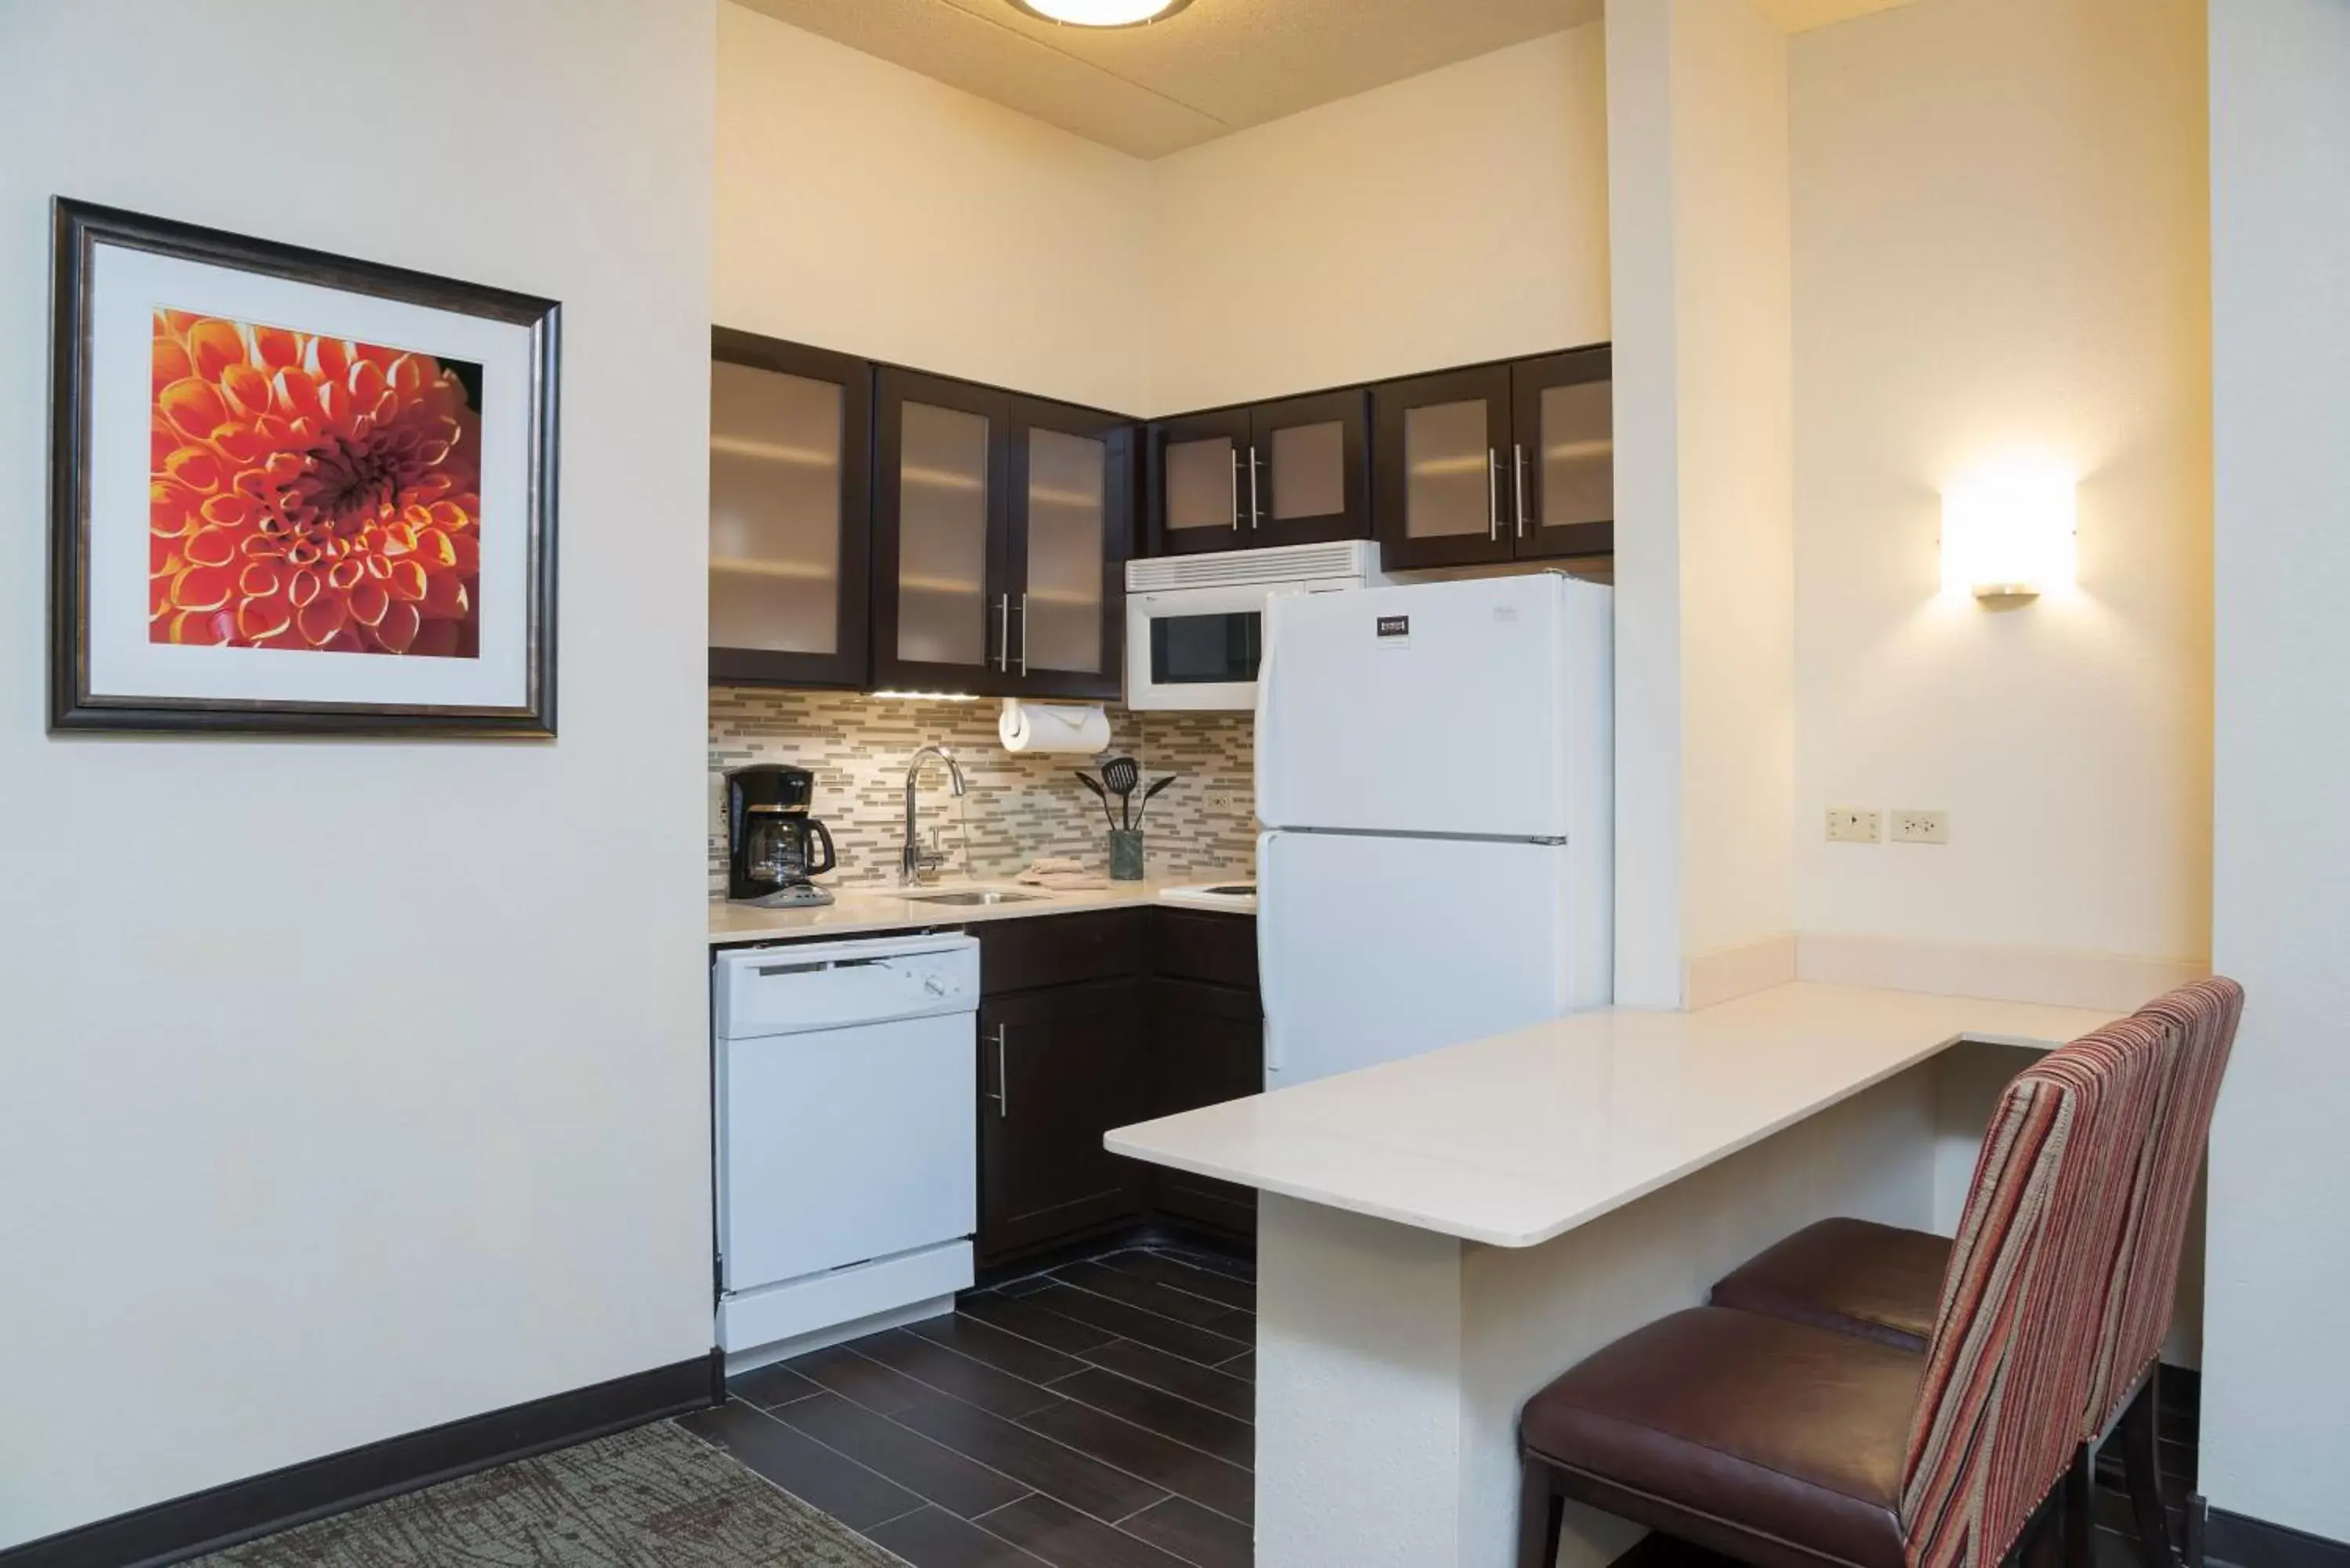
<point x="343" y="475"/>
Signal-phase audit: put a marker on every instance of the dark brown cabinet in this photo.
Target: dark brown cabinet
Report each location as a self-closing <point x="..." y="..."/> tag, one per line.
<point x="1292" y="471"/>
<point x="1002" y="526"/>
<point x="1096" y="1021"/>
<point x="1495" y="462"/>
<point x="790" y="513"/>
<point x="1207" y="1046"/>
<point x="1058" y="1068"/>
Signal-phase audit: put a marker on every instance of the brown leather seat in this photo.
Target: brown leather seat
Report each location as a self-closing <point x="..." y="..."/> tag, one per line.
<point x="1854" y="1276"/>
<point x="1780" y="1442"/>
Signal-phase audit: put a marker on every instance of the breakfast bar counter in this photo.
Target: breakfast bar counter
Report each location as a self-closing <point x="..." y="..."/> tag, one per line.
<point x="1441" y="1236"/>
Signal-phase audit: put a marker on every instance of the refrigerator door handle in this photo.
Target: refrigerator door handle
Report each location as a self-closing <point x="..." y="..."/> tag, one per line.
<point x="1268" y="960"/>
<point x="1265" y="732"/>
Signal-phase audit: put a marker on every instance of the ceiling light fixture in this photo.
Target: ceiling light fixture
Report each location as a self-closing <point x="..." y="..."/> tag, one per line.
<point x="1100" y="12"/>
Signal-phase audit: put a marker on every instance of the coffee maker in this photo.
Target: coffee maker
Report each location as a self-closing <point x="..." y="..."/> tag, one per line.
<point x="771" y="842"/>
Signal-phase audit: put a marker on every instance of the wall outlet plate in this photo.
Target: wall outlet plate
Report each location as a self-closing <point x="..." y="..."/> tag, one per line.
<point x="1850" y="824"/>
<point x="1914" y="827"/>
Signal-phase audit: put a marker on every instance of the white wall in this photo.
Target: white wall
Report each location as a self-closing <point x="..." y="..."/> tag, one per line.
<point x="1456" y="216"/>
<point x="863" y="208"/>
<point x="356" y="1087"/>
<point x="1698" y="173"/>
<point x="2274" y="1444"/>
<point x="2000" y="245"/>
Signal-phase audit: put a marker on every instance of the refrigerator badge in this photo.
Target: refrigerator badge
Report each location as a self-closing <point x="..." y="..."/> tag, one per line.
<point x="1395" y="631"/>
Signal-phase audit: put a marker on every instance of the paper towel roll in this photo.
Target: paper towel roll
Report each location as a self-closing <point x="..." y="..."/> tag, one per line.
<point x="1053" y="727"/>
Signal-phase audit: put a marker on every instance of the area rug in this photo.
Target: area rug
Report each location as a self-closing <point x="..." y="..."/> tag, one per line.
<point x="652" y="1498"/>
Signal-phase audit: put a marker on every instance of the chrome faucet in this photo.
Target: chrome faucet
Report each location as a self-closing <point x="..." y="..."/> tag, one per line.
<point x="916" y="865"/>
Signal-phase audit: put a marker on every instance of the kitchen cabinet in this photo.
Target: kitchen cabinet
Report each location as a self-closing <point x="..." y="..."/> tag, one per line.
<point x="790" y="513"/>
<point x="1207" y="1046"/>
<point x="1292" y="471"/>
<point x="1495" y="462"/>
<point x="1002" y="526"/>
<point x="1058" y="1068"/>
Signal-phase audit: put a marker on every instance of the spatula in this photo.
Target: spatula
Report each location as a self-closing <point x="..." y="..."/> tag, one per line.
<point x="1149" y="795"/>
<point x="1121" y="774"/>
<point x="1094" y="785"/>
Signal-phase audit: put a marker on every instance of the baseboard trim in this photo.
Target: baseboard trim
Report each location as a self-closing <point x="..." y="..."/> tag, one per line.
<point x="1725" y="974"/>
<point x="2241" y="1541"/>
<point x="259" y="1505"/>
<point x="2112" y="982"/>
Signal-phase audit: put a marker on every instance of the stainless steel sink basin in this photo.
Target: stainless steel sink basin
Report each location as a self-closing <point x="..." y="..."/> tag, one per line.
<point x="973" y="896"/>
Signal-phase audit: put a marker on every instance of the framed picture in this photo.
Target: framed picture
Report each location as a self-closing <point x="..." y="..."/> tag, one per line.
<point x="293" y="493"/>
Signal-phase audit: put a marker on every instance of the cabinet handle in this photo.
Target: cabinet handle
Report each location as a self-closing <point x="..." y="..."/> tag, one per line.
<point x="1003" y="1084"/>
<point x="1236" y="489"/>
<point x="1003" y="647"/>
<point x="1256" y="512"/>
<point x="1024" y="634"/>
<point x="1492" y="494"/>
<point x="1518" y="467"/>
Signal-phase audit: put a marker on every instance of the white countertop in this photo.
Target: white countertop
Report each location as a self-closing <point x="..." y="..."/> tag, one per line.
<point x="862" y="909"/>
<point x="1518" y="1139"/>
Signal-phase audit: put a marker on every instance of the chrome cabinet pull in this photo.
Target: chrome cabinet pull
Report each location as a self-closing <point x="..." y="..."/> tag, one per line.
<point x="1492" y="494"/>
<point x="1003" y="647"/>
<point x="1236" y="489"/>
<point x="1518" y="467"/>
<point x="1256" y="512"/>
<point x="1024" y="633"/>
<point x="1003" y="1084"/>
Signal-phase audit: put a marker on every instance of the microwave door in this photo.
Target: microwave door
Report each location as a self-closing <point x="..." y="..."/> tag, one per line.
<point x="1195" y="648"/>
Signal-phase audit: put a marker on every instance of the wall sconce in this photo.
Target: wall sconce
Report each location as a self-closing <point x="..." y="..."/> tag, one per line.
<point x="2008" y="531"/>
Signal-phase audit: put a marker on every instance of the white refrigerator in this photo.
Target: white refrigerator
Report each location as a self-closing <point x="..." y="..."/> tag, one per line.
<point x="1435" y="782"/>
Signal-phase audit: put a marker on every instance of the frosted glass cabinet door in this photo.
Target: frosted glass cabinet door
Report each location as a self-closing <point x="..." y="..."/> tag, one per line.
<point x="940" y="618"/>
<point x="1563" y="459"/>
<point x="1313" y="481"/>
<point x="789" y="512"/>
<point x="1441" y="445"/>
<point x="1199" y="482"/>
<point x="1071" y="478"/>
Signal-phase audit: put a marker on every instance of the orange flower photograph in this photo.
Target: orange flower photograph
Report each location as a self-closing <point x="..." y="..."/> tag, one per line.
<point x="312" y="493"/>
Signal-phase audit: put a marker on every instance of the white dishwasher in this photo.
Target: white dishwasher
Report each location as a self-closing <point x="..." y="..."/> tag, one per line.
<point x="847" y="1129"/>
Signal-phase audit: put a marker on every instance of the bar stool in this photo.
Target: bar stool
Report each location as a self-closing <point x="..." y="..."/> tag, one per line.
<point x="1885" y="1285"/>
<point x="1790" y="1445"/>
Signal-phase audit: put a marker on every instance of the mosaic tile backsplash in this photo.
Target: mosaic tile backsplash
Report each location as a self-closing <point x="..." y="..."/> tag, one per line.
<point x="1020" y="807"/>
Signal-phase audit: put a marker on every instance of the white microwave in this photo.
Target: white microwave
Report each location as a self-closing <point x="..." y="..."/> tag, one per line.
<point x="1195" y="624"/>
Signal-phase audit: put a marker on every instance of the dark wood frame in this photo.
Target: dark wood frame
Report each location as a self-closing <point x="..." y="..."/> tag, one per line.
<point x="1390" y="492"/>
<point x="892" y="390"/>
<point x="79" y="228"/>
<point x="1528" y="378"/>
<point x="849" y="665"/>
<point x="1231" y="424"/>
<point x="1350" y="410"/>
<point x="1116" y="433"/>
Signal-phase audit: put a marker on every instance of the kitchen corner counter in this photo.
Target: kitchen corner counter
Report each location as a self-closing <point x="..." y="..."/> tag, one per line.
<point x="856" y="911"/>
<point x="1519" y="1138"/>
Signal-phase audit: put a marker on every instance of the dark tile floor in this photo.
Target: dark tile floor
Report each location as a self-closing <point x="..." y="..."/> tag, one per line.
<point x="1100" y="1415"/>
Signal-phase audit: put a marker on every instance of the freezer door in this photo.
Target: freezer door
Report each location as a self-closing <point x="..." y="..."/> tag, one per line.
<point x="1372" y="950"/>
<point x="1434" y="708"/>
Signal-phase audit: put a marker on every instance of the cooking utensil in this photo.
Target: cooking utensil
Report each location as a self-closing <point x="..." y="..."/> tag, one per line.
<point x="1121" y="774"/>
<point x="1150" y="793"/>
<point x="1094" y="784"/>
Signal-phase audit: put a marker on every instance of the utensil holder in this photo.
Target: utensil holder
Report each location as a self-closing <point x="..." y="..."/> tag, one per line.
<point x="1125" y="855"/>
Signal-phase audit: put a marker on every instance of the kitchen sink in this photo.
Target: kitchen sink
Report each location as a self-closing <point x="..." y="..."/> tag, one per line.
<point x="971" y="896"/>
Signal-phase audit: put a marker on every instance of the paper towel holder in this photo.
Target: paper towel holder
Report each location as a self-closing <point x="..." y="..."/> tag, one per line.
<point x="1079" y="729"/>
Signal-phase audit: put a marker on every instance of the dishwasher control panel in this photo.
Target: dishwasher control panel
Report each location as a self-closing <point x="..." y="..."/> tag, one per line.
<point x="831" y="985"/>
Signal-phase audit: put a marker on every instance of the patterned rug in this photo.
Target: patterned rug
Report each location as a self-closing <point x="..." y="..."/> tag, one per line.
<point x="652" y="1498"/>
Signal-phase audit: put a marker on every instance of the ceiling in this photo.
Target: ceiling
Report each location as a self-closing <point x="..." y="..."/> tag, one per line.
<point x="1214" y="68"/>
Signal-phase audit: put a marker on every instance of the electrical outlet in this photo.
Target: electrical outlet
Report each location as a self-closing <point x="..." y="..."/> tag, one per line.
<point x="1922" y="827"/>
<point x="1849" y="824"/>
<point x="1228" y="800"/>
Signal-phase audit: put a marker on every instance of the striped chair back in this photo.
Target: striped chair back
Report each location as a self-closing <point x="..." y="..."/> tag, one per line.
<point x="2013" y="1359"/>
<point x="2200" y="1019"/>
